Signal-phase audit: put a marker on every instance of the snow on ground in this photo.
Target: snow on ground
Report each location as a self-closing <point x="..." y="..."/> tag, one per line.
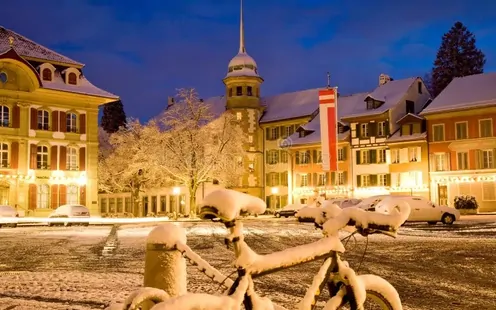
<point x="433" y="267"/>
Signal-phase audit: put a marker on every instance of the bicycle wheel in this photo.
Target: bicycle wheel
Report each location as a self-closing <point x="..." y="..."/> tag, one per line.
<point x="380" y="295"/>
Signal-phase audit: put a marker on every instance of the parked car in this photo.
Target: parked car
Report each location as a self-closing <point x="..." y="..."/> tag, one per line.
<point x="289" y="210"/>
<point x="8" y="216"/>
<point x="422" y="210"/>
<point x="345" y="203"/>
<point x="71" y="211"/>
<point x="370" y="202"/>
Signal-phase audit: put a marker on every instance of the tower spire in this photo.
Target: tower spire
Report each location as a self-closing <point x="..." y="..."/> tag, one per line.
<point x="242" y="48"/>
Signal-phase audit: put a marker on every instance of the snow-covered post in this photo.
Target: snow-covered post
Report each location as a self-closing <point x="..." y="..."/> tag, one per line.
<point x="165" y="267"/>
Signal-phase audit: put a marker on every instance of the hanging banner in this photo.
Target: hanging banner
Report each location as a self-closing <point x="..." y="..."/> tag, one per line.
<point x="328" y="128"/>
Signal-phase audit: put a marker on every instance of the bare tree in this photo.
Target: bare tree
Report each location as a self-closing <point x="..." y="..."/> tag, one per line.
<point x="197" y="146"/>
<point x="130" y="165"/>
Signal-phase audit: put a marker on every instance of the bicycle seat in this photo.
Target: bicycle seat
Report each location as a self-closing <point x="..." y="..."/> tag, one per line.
<point x="227" y="205"/>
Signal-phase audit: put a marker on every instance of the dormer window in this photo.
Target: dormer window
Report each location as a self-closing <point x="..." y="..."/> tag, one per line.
<point x="340" y="128"/>
<point x="373" y="104"/>
<point x="46" y="74"/>
<point x="72" y="78"/>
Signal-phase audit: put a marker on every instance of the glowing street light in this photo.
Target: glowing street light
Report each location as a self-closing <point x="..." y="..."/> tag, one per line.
<point x="274" y="190"/>
<point x="176" y="190"/>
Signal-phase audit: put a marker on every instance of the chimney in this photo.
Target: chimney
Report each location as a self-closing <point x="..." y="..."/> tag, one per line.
<point x="384" y="78"/>
<point x="201" y="100"/>
<point x="170" y="101"/>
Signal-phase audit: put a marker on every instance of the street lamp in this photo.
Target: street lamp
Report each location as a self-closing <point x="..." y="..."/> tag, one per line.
<point x="274" y="190"/>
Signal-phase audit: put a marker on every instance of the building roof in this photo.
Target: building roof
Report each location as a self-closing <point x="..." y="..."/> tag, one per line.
<point x="478" y="90"/>
<point x="290" y="105"/>
<point x="390" y="93"/>
<point x="27" y="48"/>
<point x="396" y="137"/>
<point x="410" y="116"/>
<point x="217" y="105"/>
<point x="84" y="87"/>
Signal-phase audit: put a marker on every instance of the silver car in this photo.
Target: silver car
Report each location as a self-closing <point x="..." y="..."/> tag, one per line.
<point x="78" y="214"/>
<point x="8" y="216"/>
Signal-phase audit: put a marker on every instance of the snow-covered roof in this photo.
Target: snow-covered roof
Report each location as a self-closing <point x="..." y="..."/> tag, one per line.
<point x="217" y="105"/>
<point x="27" y="48"/>
<point x="290" y="105"/>
<point x="84" y="87"/>
<point x="396" y="137"/>
<point x="471" y="91"/>
<point x="409" y="115"/>
<point x="390" y="93"/>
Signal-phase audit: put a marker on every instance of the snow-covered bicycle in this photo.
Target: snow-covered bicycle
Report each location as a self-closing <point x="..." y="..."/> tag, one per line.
<point x="347" y="290"/>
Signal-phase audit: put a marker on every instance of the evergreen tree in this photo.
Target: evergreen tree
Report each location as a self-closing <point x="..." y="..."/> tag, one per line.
<point x="457" y="56"/>
<point x="113" y="116"/>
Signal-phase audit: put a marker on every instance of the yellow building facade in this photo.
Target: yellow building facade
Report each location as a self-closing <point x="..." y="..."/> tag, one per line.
<point x="48" y="129"/>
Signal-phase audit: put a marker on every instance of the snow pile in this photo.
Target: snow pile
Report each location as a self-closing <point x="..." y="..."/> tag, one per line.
<point x="167" y="234"/>
<point x="229" y="204"/>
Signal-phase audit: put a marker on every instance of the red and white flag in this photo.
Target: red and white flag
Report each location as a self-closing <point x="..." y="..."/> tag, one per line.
<point x="328" y="128"/>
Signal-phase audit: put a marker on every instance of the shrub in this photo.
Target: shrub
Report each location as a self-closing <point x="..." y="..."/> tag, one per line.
<point x="466" y="202"/>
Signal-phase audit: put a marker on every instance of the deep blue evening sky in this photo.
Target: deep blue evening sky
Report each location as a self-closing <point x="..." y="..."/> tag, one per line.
<point x="144" y="50"/>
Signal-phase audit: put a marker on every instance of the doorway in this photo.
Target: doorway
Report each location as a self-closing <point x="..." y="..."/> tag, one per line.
<point x="4" y="194"/>
<point x="442" y="193"/>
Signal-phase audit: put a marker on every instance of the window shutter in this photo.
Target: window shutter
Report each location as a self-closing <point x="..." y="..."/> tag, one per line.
<point x="53" y="156"/>
<point x="267" y="179"/>
<point x="387" y="127"/>
<point x="373" y="156"/>
<point x="34" y="119"/>
<point x="82" y="159"/>
<point x="358" y="157"/>
<point x="14" y="155"/>
<point x="267" y="201"/>
<point x="278" y="178"/>
<point x="32" y="196"/>
<point x="82" y="124"/>
<point x="314" y="160"/>
<point x="388" y="179"/>
<point x="284" y="179"/>
<point x="359" y="180"/>
<point x="358" y="134"/>
<point x="315" y="181"/>
<point x="276" y="157"/>
<point x="54" y="190"/>
<point x="63" y="121"/>
<point x="267" y="155"/>
<point x="345" y="177"/>
<point x="478" y="159"/>
<point x="63" y="194"/>
<point x="373" y="179"/>
<point x="284" y="201"/>
<point x="32" y="156"/>
<point x="63" y="158"/>
<point x="308" y="156"/>
<point x="267" y="134"/>
<point x="372" y="129"/>
<point x="297" y="158"/>
<point x="277" y="133"/>
<point x="82" y="195"/>
<point x="447" y="161"/>
<point x="333" y="178"/>
<point x="345" y="152"/>
<point x="55" y="121"/>
<point x="16" y="117"/>
<point x="328" y="178"/>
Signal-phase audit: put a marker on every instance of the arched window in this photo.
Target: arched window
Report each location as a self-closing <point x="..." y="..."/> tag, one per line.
<point x="4" y="116"/>
<point x="43" y="118"/>
<point x="4" y="155"/>
<point x="72" y="194"/>
<point x="72" y="78"/>
<point x="71" y="121"/>
<point x="43" y="196"/>
<point x="72" y="158"/>
<point x="42" y="157"/>
<point x="46" y="74"/>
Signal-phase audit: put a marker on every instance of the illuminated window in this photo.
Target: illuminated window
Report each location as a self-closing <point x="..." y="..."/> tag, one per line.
<point x="43" y="196"/>
<point x="304" y="180"/>
<point x="381" y="156"/>
<point x="4" y="155"/>
<point x="72" y="194"/>
<point x="42" y="157"/>
<point x="382" y="178"/>
<point x="461" y="130"/>
<point x="273" y="157"/>
<point x="43" y="118"/>
<point x="322" y="181"/>
<point x="238" y="116"/>
<point x="4" y="116"/>
<point x="72" y="158"/>
<point x="462" y="160"/>
<point x="413" y="154"/>
<point x="381" y="129"/>
<point x="438" y="132"/>
<point x="365" y="180"/>
<point x="364" y="130"/>
<point x="365" y="154"/>
<point x="340" y="178"/>
<point x="250" y="139"/>
<point x="71" y="122"/>
<point x="395" y="156"/>
<point x="485" y="128"/>
<point x="341" y="155"/>
<point x="487" y="159"/>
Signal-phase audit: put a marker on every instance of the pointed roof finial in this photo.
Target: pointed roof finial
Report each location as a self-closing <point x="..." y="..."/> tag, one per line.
<point x="11" y="41"/>
<point x="328" y="80"/>
<point x="242" y="48"/>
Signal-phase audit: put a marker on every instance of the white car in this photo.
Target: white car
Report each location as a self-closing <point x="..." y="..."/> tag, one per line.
<point x="422" y="210"/>
<point x="78" y="214"/>
<point x="8" y="216"/>
<point x="346" y="203"/>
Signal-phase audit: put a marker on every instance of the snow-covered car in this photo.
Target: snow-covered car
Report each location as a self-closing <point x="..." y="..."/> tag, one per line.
<point x="8" y="216"/>
<point x="346" y="203"/>
<point x="370" y="202"/>
<point x="78" y="214"/>
<point x="422" y="210"/>
<point x="289" y="210"/>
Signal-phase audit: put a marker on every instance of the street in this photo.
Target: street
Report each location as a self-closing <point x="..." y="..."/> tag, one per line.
<point x="432" y="267"/>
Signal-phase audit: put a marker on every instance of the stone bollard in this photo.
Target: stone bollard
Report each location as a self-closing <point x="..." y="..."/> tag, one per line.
<point x="165" y="267"/>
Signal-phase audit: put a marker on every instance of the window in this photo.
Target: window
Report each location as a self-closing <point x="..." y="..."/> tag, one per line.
<point x="318" y="160"/>
<point x="238" y="116"/>
<point x="461" y="130"/>
<point x="4" y="155"/>
<point x="488" y="191"/>
<point x="381" y="129"/>
<point x="304" y="158"/>
<point x="364" y="130"/>
<point x="72" y="158"/>
<point x="322" y="179"/>
<point x="274" y="179"/>
<point x="46" y="74"/>
<point x="288" y="131"/>
<point x="365" y="154"/>
<point x="273" y="157"/>
<point x="72" y="194"/>
<point x="341" y="155"/>
<point x="304" y="180"/>
<point x="250" y="139"/>
<point x="4" y="116"/>
<point x="284" y="157"/>
<point x="438" y="131"/>
<point x="42" y="157"/>
<point x="72" y="78"/>
<point x="43" y="195"/>
<point x="365" y="180"/>
<point x="462" y="160"/>
<point x="395" y="156"/>
<point x="485" y="128"/>
<point x="249" y="91"/>
<point x="413" y="155"/>
<point x="340" y="178"/>
<point x="487" y="159"/>
<point x="382" y="178"/>
<point x="381" y="156"/>
<point x="239" y="91"/>
<point x="440" y="162"/>
<point x="230" y="92"/>
<point x="419" y="87"/>
<point x="71" y="122"/>
<point x="410" y="107"/>
<point x="43" y="117"/>
<point x="274" y="133"/>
